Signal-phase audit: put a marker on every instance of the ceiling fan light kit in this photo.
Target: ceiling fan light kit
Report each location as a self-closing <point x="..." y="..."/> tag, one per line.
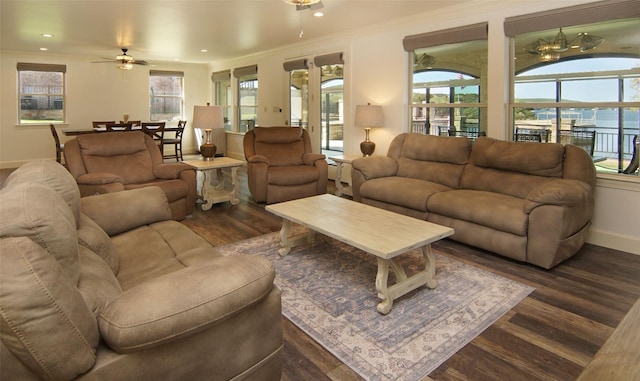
<point x="123" y="61"/>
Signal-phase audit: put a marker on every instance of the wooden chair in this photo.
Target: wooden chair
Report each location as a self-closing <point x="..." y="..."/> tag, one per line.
<point x="156" y="131"/>
<point x="134" y="123"/>
<point x="101" y="124"/>
<point x="119" y="127"/>
<point x="175" y="141"/>
<point x="59" y="146"/>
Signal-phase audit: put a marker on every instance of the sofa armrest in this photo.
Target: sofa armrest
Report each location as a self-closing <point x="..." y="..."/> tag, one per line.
<point x="99" y="178"/>
<point x="375" y="166"/>
<point x="561" y="193"/>
<point x="170" y="171"/>
<point x="122" y="211"/>
<point x="311" y="158"/>
<point x="184" y="302"/>
<point x="258" y="159"/>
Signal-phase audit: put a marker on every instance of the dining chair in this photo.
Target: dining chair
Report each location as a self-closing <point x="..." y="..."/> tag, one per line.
<point x="59" y="146"/>
<point x="97" y="124"/>
<point x="175" y="141"/>
<point x="134" y="123"/>
<point x="118" y="127"/>
<point x="156" y="131"/>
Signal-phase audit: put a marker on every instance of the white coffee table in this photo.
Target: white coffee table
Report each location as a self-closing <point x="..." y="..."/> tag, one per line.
<point x="376" y="231"/>
<point x="212" y="195"/>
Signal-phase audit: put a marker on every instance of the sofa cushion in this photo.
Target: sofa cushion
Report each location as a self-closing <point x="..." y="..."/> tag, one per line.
<point x="403" y="191"/>
<point x="124" y="154"/>
<point x="173" y="189"/>
<point x="521" y="157"/>
<point x="494" y="180"/>
<point x="52" y="174"/>
<point x="294" y="175"/>
<point x="91" y="236"/>
<point x="282" y="146"/>
<point x="39" y="213"/>
<point x="45" y="322"/>
<point x="158" y="249"/>
<point x="185" y="302"/>
<point x="494" y="210"/>
<point x="97" y="285"/>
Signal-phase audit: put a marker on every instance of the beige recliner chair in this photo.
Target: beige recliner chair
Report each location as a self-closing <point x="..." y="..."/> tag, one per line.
<point x="115" y="161"/>
<point x="109" y="287"/>
<point x="281" y="165"/>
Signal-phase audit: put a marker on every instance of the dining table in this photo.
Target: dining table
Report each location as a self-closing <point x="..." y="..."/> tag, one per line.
<point x="82" y="131"/>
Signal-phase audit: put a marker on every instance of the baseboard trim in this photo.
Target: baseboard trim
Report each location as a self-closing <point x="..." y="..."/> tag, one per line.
<point x="614" y="241"/>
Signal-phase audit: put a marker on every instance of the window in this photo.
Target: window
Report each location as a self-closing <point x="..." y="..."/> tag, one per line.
<point x="331" y="102"/>
<point x="166" y="95"/>
<point x="298" y="92"/>
<point x="41" y="92"/>
<point x="579" y="84"/>
<point x="247" y="97"/>
<point x="448" y="80"/>
<point x="222" y="88"/>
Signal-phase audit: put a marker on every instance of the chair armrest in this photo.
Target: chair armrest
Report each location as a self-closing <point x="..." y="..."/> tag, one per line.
<point x="122" y="211"/>
<point x="99" y="178"/>
<point x="185" y="302"/>
<point x="170" y="171"/>
<point x="561" y="193"/>
<point x="311" y="158"/>
<point x="258" y="159"/>
<point x="375" y="166"/>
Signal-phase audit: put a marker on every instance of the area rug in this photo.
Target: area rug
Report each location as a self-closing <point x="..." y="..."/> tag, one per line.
<point x="328" y="290"/>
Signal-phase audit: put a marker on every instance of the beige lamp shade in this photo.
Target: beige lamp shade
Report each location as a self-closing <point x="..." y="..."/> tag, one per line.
<point x="368" y="116"/>
<point x="207" y="118"/>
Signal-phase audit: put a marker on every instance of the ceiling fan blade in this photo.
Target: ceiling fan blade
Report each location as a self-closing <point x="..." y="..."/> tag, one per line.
<point x="139" y="62"/>
<point x="109" y="61"/>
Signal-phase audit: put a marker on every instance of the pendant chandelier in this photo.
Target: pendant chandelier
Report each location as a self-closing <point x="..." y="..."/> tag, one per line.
<point x="549" y="51"/>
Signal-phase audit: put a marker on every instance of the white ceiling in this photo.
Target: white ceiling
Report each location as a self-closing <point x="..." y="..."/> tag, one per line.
<point x="168" y="30"/>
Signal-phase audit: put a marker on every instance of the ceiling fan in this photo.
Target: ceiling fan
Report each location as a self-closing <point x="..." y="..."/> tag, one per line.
<point x="124" y="61"/>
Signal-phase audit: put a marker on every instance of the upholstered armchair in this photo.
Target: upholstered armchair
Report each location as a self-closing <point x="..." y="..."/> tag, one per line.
<point x="281" y="165"/>
<point x="115" y="161"/>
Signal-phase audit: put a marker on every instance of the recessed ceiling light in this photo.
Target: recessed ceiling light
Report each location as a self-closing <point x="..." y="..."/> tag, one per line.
<point x="176" y="59"/>
<point x="318" y="14"/>
<point x="203" y="50"/>
<point x="44" y="49"/>
<point x="48" y="35"/>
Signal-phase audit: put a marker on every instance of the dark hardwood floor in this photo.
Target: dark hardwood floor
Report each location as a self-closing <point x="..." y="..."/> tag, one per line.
<point x="551" y="335"/>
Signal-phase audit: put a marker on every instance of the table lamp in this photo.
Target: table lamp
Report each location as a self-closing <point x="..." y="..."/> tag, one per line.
<point x="368" y="116"/>
<point x="207" y="118"/>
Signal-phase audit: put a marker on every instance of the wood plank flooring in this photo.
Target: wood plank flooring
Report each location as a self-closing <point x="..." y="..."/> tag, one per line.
<point x="553" y="334"/>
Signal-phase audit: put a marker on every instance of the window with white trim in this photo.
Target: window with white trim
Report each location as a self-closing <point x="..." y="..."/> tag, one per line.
<point x="166" y="95"/>
<point x="41" y="93"/>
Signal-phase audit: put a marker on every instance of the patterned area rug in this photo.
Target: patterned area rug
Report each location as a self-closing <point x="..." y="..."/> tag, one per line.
<point x="328" y="290"/>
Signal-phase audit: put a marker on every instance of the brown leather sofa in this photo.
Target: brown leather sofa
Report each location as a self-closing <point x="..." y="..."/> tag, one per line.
<point x="115" y="161"/>
<point x="109" y="287"/>
<point x="532" y="202"/>
<point x="281" y="165"/>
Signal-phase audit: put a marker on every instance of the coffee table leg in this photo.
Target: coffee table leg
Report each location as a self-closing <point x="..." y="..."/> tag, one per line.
<point x="403" y="283"/>
<point x="288" y="243"/>
<point x="206" y="185"/>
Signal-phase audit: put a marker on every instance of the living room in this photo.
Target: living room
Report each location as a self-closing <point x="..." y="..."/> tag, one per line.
<point x="377" y="71"/>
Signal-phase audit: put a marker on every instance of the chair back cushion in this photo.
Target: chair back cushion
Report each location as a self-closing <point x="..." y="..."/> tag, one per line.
<point x="438" y="159"/>
<point x="125" y="154"/>
<point x="512" y="168"/>
<point x="282" y="146"/>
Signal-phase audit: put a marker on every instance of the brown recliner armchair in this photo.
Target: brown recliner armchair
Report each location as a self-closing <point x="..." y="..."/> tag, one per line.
<point x="115" y="161"/>
<point x="281" y="165"/>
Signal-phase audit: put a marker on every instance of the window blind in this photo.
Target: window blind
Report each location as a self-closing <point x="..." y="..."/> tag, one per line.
<point x="328" y="59"/>
<point x="245" y="70"/>
<point x="568" y="16"/>
<point x="166" y="73"/>
<point x="296" y="65"/>
<point x="25" y="66"/>
<point x="446" y="36"/>
<point x="220" y="76"/>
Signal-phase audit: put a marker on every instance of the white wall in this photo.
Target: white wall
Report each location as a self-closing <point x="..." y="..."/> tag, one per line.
<point x="94" y="92"/>
<point x="376" y="71"/>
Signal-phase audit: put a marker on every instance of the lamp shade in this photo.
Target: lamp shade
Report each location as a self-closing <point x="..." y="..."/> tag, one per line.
<point x="207" y="117"/>
<point x="369" y="116"/>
